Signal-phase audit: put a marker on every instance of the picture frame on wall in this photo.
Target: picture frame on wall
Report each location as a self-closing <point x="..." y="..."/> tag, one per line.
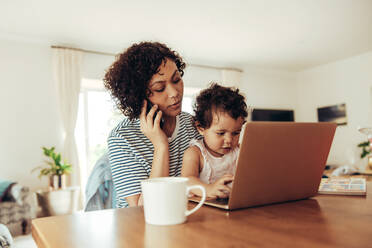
<point x="334" y="113"/>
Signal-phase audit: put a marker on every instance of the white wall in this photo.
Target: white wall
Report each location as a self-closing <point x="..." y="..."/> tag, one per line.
<point x="94" y="65"/>
<point x="347" y="81"/>
<point x="29" y="119"/>
<point x="200" y="77"/>
<point x="267" y="88"/>
<point x="262" y="87"/>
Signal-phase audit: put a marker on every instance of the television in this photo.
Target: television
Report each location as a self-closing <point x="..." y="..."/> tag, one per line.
<point x="333" y="113"/>
<point x="272" y="115"/>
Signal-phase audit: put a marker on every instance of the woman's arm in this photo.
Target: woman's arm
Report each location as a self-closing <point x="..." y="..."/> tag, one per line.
<point x="160" y="163"/>
<point x="133" y="200"/>
<point x="127" y="170"/>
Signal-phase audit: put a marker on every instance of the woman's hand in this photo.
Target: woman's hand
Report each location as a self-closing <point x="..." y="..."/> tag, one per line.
<point x="150" y="127"/>
<point x="219" y="188"/>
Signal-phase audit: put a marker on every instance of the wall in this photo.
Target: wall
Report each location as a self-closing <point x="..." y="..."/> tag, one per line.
<point x="94" y="66"/>
<point x="29" y="119"/>
<point x="268" y="88"/>
<point x="347" y="81"/>
<point x="200" y="77"/>
<point x="262" y="87"/>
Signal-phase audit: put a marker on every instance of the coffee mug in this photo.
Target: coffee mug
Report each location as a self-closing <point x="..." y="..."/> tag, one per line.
<point x="165" y="200"/>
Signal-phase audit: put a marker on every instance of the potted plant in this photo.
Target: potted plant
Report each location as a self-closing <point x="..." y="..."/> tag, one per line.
<point x="366" y="150"/>
<point x="366" y="146"/>
<point x="55" y="169"/>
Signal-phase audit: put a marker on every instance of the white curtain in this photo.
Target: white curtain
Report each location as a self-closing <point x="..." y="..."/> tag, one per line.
<point x="67" y="76"/>
<point x="231" y="78"/>
<point x="370" y="107"/>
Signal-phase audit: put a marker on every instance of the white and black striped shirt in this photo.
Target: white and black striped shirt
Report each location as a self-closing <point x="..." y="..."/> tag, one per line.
<point x="131" y="154"/>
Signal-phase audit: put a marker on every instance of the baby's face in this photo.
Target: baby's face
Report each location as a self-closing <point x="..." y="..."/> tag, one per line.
<point x="223" y="134"/>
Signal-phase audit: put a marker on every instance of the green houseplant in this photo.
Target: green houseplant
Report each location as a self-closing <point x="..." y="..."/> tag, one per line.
<point x="55" y="169"/>
<point x="366" y="148"/>
<point x="366" y="151"/>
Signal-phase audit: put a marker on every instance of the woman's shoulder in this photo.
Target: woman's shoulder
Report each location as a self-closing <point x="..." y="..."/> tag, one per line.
<point x="125" y="127"/>
<point x="185" y="116"/>
<point x="187" y="126"/>
<point x="186" y="119"/>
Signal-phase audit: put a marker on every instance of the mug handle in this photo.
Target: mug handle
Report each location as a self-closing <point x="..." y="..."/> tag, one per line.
<point x="188" y="212"/>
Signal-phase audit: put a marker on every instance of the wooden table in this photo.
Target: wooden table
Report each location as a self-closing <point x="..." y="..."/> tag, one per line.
<point x="321" y="221"/>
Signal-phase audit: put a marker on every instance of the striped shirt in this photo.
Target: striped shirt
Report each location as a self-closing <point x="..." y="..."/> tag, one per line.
<point x="131" y="154"/>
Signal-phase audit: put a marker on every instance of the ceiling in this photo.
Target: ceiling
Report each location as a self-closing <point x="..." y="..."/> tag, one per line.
<point x="290" y="35"/>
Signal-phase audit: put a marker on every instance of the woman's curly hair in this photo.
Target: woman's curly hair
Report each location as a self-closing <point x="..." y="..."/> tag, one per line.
<point x="128" y="77"/>
<point x="218" y="98"/>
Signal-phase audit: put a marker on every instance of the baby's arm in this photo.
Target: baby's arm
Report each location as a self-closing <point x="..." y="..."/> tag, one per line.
<point x="191" y="169"/>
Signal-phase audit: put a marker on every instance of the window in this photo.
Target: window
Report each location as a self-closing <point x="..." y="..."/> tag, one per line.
<point x="97" y="115"/>
<point x="189" y="95"/>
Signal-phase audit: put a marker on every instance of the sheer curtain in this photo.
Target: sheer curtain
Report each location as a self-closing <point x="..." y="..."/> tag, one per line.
<point x="67" y="76"/>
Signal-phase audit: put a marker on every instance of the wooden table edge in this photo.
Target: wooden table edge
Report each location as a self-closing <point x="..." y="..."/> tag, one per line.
<point x="37" y="235"/>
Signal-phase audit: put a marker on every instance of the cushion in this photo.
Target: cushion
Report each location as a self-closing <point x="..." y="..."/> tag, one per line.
<point x="5" y="237"/>
<point x="18" y="193"/>
<point x="5" y="187"/>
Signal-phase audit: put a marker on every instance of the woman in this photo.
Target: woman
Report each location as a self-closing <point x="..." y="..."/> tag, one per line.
<point x="146" y="145"/>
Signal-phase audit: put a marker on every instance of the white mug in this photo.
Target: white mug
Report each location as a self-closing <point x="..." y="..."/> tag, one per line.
<point x="165" y="200"/>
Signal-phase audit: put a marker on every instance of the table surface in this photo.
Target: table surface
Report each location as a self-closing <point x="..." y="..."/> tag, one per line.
<point x="321" y="221"/>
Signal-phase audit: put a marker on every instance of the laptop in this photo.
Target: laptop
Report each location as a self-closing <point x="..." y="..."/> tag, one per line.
<point x="278" y="162"/>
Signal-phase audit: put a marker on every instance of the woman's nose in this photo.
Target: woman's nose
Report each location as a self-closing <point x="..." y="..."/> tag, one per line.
<point x="173" y="91"/>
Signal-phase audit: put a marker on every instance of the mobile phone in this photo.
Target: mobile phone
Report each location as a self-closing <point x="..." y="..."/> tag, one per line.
<point x="149" y="106"/>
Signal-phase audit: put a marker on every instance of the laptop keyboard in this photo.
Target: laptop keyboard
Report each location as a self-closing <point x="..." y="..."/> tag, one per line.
<point x="222" y="201"/>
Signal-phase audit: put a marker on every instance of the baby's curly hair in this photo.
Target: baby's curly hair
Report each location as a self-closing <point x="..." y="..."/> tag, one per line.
<point x="128" y="77"/>
<point x="218" y="98"/>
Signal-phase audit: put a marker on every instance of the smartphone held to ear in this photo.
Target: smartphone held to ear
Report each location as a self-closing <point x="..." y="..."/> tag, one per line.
<point x="149" y="106"/>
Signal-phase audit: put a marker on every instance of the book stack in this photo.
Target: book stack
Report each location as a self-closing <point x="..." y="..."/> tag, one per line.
<point x="343" y="186"/>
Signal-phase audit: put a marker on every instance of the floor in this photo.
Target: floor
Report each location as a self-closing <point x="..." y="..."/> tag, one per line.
<point x="24" y="241"/>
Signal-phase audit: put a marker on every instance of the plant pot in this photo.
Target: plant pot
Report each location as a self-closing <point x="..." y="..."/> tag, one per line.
<point x="57" y="182"/>
<point x="57" y="202"/>
<point x="370" y="162"/>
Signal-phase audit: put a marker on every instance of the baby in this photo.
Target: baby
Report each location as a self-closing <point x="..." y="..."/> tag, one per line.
<point x="220" y="113"/>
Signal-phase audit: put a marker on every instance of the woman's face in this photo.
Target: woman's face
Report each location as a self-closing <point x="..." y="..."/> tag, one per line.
<point x="166" y="89"/>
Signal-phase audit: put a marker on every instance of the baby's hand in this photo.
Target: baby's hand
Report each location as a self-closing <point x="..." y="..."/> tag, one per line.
<point x="219" y="188"/>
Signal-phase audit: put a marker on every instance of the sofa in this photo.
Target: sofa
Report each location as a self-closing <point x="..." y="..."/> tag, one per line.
<point x="16" y="209"/>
